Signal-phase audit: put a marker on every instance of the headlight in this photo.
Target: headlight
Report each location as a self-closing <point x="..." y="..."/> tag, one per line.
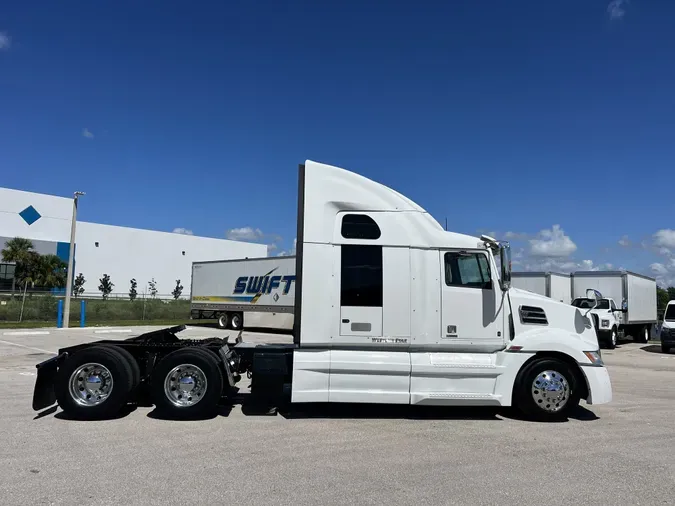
<point x="594" y="357"/>
<point x="605" y="323"/>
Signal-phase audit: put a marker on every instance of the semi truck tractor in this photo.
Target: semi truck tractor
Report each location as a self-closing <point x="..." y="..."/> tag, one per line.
<point x="627" y="308"/>
<point x="389" y="308"/>
<point x="251" y="292"/>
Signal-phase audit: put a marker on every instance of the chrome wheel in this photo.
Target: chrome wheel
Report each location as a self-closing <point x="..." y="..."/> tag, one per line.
<point x="550" y="391"/>
<point x="646" y="335"/>
<point x="613" y="338"/>
<point x="185" y="385"/>
<point x="90" y="384"/>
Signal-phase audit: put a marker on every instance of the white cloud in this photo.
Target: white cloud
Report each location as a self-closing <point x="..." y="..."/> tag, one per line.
<point x="664" y="273"/>
<point x="665" y="238"/>
<point x="562" y="265"/>
<point x="5" y="41"/>
<point x="181" y="230"/>
<point x="290" y="252"/>
<point x="87" y="133"/>
<point x="552" y="243"/>
<point x="617" y="9"/>
<point x="658" y="269"/>
<point x="244" y="234"/>
<point x="624" y="241"/>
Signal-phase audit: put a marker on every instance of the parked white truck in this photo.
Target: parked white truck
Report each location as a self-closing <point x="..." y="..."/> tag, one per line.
<point x="554" y="285"/>
<point x="627" y="308"/>
<point x="389" y="308"/>
<point x="255" y="292"/>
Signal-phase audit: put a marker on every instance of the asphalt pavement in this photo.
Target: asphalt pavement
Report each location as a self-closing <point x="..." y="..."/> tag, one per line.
<point x="620" y="453"/>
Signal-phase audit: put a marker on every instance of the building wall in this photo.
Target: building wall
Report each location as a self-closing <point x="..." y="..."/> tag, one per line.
<point x="126" y="253"/>
<point x="123" y="253"/>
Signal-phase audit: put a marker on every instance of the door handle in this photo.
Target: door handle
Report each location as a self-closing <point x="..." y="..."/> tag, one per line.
<point x="345" y="320"/>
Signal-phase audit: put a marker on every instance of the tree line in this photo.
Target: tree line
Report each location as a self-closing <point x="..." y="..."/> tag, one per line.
<point x="49" y="272"/>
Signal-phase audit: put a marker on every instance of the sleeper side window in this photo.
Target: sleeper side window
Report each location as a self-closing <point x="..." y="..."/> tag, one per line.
<point x="361" y="275"/>
<point x="359" y="226"/>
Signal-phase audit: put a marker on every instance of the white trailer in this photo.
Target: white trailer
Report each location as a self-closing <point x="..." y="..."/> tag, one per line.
<point x="251" y="292"/>
<point x="555" y="285"/>
<point x="389" y="308"/>
<point x="628" y="306"/>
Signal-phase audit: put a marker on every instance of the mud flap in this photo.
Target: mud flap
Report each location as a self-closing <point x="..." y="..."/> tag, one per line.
<point x="43" y="393"/>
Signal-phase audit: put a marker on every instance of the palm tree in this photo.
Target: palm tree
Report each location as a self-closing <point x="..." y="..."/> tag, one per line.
<point x="51" y="272"/>
<point x="17" y="249"/>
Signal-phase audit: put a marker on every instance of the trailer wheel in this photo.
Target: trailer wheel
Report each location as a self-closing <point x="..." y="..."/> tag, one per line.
<point x="187" y="383"/>
<point x="222" y="320"/>
<point x="94" y="383"/>
<point x="236" y="321"/>
<point x="546" y="390"/>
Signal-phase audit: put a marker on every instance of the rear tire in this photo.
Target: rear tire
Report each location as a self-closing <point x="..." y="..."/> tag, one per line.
<point x="187" y="384"/>
<point x="135" y="369"/>
<point x="547" y="390"/>
<point x="644" y="334"/>
<point x="94" y="383"/>
<point x="665" y="349"/>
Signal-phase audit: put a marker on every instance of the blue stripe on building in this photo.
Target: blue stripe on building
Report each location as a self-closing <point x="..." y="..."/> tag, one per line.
<point x="63" y="252"/>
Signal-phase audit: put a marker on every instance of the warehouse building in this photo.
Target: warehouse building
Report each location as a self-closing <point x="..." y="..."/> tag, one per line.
<point x="121" y="252"/>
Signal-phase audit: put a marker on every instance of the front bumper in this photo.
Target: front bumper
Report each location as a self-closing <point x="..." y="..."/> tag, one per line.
<point x="668" y="337"/>
<point x="599" y="384"/>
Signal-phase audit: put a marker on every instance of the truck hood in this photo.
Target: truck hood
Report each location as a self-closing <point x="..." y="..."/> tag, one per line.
<point x="562" y="318"/>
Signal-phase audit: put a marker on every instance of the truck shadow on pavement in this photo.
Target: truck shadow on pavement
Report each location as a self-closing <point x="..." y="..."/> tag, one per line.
<point x="653" y="348"/>
<point x="334" y="411"/>
<point x="343" y="411"/>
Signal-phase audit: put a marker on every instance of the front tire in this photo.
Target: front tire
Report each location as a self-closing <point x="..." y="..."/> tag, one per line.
<point x="547" y="390"/>
<point x="187" y="383"/>
<point x="94" y="383"/>
<point x="612" y="339"/>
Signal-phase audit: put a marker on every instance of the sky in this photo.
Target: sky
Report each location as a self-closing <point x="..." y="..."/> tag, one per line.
<point x="547" y="123"/>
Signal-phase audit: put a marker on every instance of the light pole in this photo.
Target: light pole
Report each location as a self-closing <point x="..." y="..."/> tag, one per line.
<point x="69" y="279"/>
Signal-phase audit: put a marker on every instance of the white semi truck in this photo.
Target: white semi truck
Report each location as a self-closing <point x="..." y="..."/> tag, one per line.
<point x="389" y="308"/>
<point x="256" y="292"/>
<point x="628" y="306"/>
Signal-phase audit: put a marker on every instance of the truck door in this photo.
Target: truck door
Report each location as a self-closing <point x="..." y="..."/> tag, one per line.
<point x="472" y="302"/>
<point x="361" y="290"/>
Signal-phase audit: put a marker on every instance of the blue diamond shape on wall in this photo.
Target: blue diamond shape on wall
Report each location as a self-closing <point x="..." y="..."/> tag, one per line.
<point x="30" y="215"/>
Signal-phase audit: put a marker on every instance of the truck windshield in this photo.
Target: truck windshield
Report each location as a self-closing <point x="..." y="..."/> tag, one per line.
<point x="670" y="313"/>
<point x="588" y="303"/>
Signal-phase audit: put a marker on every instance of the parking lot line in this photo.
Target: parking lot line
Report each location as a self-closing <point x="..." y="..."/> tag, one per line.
<point x="28" y="347"/>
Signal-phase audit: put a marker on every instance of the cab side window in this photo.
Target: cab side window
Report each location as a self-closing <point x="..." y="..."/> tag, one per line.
<point x="470" y="270"/>
<point x="611" y="303"/>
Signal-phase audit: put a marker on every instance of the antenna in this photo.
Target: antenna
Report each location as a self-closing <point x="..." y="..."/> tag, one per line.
<point x="446" y="223"/>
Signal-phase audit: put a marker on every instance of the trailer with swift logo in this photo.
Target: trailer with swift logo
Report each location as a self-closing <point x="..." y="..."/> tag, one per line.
<point x="251" y="292"/>
<point x="388" y="308"/>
